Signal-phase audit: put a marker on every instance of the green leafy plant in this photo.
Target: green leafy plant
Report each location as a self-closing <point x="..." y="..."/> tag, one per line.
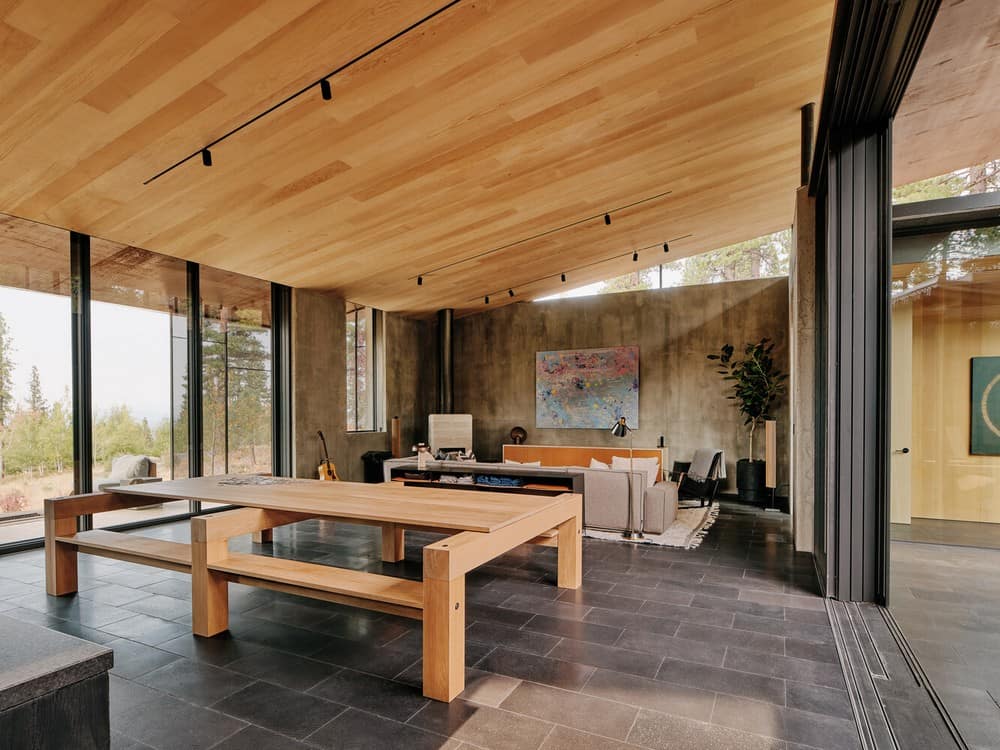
<point x="757" y="382"/>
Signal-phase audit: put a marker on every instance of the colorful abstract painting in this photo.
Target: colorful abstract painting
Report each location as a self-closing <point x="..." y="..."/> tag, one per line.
<point x="985" y="437"/>
<point x="588" y="388"/>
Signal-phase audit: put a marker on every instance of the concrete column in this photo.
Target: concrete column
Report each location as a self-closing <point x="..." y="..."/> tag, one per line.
<point x="446" y="368"/>
<point x="802" y="331"/>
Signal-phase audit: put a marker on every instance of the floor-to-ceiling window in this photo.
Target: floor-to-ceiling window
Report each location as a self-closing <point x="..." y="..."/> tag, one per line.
<point x="138" y="298"/>
<point x="236" y="373"/>
<point x="36" y="433"/>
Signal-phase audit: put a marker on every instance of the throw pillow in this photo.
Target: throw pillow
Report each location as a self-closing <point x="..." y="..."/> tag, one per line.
<point x="595" y="464"/>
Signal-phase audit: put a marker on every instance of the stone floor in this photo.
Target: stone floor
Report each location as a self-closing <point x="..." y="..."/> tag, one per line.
<point x="939" y="531"/>
<point x="725" y="646"/>
<point x="946" y="600"/>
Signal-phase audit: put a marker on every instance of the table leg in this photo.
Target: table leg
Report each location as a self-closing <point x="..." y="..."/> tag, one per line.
<point x="60" y="559"/>
<point x="393" y="549"/>
<point x="209" y="590"/>
<point x="444" y="631"/>
<point x="570" y="539"/>
<point x="264" y="536"/>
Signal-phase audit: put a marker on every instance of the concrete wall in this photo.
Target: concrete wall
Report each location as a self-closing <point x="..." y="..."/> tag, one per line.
<point x="680" y="395"/>
<point x="802" y="309"/>
<point x="319" y="388"/>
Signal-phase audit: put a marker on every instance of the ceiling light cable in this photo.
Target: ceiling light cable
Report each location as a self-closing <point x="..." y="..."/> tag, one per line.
<point x="353" y="61"/>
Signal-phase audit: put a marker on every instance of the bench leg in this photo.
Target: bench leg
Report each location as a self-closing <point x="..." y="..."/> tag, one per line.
<point x="570" y="542"/>
<point x="264" y="536"/>
<point x="444" y="638"/>
<point x="209" y="590"/>
<point x="60" y="559"/>
<point x="393" y="549"/>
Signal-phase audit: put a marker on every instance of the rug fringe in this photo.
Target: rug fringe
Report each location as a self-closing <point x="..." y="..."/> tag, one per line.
<point x="700" y="534"/>
<point x="694" y="540"/>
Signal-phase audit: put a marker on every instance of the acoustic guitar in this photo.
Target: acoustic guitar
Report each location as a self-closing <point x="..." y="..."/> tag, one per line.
<point x="327" y="471"/>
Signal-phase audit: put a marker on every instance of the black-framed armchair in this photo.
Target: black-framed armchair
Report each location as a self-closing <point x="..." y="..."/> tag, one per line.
<point x="699" y="479"/>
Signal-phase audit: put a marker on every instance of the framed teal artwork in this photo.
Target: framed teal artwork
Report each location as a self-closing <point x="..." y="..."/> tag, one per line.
<point x="985" y="432"/>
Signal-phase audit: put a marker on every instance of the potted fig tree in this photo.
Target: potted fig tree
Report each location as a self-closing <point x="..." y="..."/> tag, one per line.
<point x="757" y="384"/>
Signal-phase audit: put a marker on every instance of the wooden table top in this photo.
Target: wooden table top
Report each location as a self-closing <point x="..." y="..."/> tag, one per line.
<point x="461" y="510"/>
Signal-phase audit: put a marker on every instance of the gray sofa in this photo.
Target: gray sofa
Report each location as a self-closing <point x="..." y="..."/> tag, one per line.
<point x="606" y="496"/>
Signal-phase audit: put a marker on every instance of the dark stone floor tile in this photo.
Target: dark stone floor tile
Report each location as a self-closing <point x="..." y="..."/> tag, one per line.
<point x="279" y="709"/>
<point x="666" y="595"/>
<point x="548" y="671"/>
<point x="584" y="712"/>
<point x="145" y="629"/>
<point x="605" y="601"/>
<point x="564" y="738"/>
<point x="813" y="651"/>
<point x="157" y="605"/>
<point x="644" y="622"/>
<point x="394" y="700"/>
<point x="818" y="700"/>
<point x="606" y="657"/>
<point x="135" y="659"/>
<point x="652" y="694"/>
<point x="492" y="633"/>
<point x="786" y="667"/>
<point x="736" y="605"/>
<point x="288" y="670"/>
<point x="383" y="661"/>
<point x="785" y="628"/>
<point x="358" y="730"/>
<point x="164" y="722"/>
<point x="722" y="680"/>
<point x="510" y="617"/>
<point x="113" y="594"/>
<point x="195" y="682"/>
<point x="177" y="588"/>
<point x="483" y="726"/>
<point x="255" y="738"/>
<point x="661" y="731"/>
<point x="671" y="647"/>
<point x="534" y="606"/>
<point x="800" y="727"/>
<point x="218" y="650"/>
<point x="771" y="644"/>
<point x="575" y="629"/>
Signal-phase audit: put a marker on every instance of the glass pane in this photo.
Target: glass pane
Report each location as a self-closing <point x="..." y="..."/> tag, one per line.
<point x="236" y="373"/>
<point x="352" y="381"/>
<point x="945" y="406"/>
<point x="138" y="301"/>
<point x="36" y="435"/>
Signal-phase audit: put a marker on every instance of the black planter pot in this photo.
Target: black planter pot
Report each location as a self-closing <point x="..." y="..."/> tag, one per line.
<point x="750" y="479"/>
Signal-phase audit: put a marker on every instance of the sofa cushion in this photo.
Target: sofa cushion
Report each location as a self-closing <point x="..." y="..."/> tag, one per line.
<point x="647" y="465"/>
<point x="600" y="465"/>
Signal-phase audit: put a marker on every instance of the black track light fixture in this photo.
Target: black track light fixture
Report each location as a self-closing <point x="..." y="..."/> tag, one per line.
<point x="607" y="219"/>
<point x="420" y="280"/>
<point x="206" y="157"/>
<point x="666" y="247"/>
<point x="564" y="278"/>
<point x="510" y="292"/>
<point x="486" y="299"/>
<point x="635" y="257"/>
<point x="326" y="90"/>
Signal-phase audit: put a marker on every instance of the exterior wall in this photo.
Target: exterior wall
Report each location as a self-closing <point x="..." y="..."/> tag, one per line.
<point x="680" y="395"/>
<point x="319" y="361"/>
<point x="802" y="326"/>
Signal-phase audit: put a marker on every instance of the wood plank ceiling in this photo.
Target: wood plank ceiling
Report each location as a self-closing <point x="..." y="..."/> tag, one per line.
<point x="495" y="121"/>
<point x="950" y="115"/>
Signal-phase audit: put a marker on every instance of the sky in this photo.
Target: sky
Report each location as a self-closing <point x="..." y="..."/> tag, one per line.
<point x="131" y="351"/>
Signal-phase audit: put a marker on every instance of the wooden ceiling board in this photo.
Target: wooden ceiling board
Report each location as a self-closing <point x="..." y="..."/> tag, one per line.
<point x="495" y="121"/>
<point x="950" y="114"/>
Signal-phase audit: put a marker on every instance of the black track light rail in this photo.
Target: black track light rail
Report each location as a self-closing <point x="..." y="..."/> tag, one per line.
<point x="606" y="215"/>
<point x="577" y="268"/>
<point x="323" y="84"/>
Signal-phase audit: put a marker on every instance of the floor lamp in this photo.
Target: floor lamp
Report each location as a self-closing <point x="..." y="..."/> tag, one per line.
<point x="621" y="429"/>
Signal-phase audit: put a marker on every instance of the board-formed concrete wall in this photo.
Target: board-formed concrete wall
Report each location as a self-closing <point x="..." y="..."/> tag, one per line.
<point x="319" y="361"/>
<point x="681" y="397"/>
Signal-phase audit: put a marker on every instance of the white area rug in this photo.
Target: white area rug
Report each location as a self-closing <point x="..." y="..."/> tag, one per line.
<point x="688" y="529"/>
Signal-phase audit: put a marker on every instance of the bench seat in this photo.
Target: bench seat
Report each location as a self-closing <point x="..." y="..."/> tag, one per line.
<point x="354" y="587"/>
<point x="159" y="553"/>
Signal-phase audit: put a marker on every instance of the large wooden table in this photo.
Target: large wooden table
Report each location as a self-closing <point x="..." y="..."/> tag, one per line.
<point x="481" y="526"/>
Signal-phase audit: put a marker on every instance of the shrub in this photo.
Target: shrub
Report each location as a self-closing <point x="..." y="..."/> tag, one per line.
<point x="13" y="501"/>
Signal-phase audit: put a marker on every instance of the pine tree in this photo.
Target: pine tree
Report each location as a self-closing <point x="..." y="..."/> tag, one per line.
<point x="36" y="401"/>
